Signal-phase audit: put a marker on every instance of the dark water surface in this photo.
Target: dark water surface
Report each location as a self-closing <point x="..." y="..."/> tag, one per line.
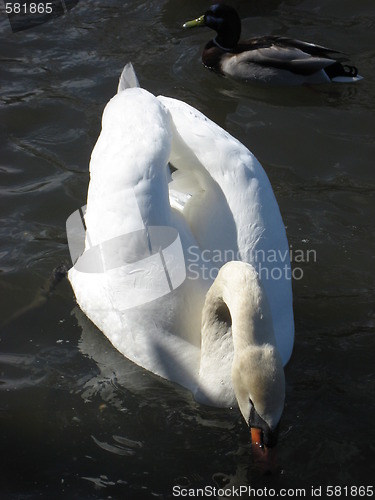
<point x="79" y="421"/>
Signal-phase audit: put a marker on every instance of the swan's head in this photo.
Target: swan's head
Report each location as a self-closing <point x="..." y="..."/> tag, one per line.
<point x="257" y="374"/>
<point x="259" y="385"/>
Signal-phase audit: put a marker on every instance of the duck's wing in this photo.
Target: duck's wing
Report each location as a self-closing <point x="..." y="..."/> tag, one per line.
<point x="307" y="47"/>
<point x="299" y="57"/>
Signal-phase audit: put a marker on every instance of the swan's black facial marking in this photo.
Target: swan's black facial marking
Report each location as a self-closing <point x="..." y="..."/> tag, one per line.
<point x="269" y="436"/>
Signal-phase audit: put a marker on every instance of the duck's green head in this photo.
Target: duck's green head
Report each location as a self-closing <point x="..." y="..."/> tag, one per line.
<point x="224" y="20"/>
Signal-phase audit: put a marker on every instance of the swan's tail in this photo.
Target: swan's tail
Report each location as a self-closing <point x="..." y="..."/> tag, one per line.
<point x="128" y="78"/>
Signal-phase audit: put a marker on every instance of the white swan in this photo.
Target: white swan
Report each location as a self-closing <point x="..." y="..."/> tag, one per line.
<point x="154" y="245"/>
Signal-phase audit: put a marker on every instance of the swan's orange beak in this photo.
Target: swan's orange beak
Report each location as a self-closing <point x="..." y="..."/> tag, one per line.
<point x="265" y="458"/>
<point x="256" y="436"/>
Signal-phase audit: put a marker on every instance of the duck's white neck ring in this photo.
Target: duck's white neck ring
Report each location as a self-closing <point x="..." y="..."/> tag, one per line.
<point x="227" y="49"/>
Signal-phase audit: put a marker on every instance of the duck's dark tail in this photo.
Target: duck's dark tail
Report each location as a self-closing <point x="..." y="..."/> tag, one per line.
<point x="339" y="72"/>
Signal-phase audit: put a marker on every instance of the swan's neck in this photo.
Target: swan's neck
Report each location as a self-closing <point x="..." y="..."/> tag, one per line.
<point x="236" y="306"/>
<point x="217" y="352"/>
<point x="239" y="359"/>
<point x="234" y="319"/>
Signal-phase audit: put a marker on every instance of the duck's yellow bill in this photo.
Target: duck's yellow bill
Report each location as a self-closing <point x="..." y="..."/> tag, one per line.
<point x="195" y="22"/>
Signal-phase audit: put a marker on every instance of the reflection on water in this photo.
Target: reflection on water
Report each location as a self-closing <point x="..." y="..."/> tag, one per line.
<point x="77" y="419"/>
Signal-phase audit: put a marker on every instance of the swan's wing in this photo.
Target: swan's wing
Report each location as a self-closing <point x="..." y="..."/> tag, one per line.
<point x="230" y="178"/>
<point x="127" y="195"/>
<point x="200" y="150"/>
<point x="236" y="216"/>
<point x="128" y="181"/>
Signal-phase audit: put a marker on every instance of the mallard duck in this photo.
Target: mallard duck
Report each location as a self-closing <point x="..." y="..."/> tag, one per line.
<point x="267" y="59"/>
<point x="188" y="276"/>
